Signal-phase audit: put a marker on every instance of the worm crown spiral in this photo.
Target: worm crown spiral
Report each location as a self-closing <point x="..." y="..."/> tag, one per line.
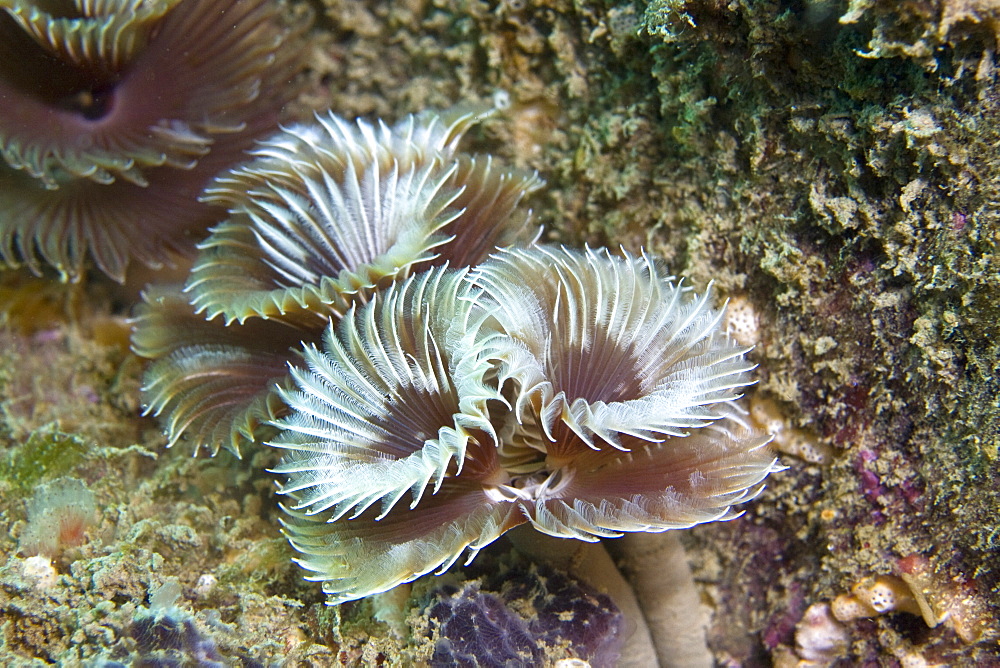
<point x="584" y="393"/>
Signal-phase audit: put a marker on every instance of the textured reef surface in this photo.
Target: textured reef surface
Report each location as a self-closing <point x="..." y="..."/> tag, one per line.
<point x="831" y="165"/>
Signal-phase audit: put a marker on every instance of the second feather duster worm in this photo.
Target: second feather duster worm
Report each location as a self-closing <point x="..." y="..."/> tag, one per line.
<point x="115" y="115"/>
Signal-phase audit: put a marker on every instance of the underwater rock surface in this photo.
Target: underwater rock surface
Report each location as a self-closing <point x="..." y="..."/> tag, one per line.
<point x="832" y="166"/>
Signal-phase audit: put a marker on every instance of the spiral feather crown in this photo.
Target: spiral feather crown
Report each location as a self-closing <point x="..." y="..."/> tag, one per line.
<point x="327" y="212"/>
<point x="429" y="391"/>
<point x="584" y="393"/>
<point x="320" y="218"/>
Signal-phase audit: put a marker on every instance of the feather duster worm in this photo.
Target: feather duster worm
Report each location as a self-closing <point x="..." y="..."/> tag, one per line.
<point x="320" y="217"/>
<point x="214" y="385"/>
<point x="325" y="213"/>
<point x="117" y="114"/>
<point x="382" y="412"/>
<point x="622" y="386"/>
<point x="587" y="394"/>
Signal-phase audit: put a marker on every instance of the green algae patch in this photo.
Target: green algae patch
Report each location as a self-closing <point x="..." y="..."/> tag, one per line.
<point x="48" y="453"/>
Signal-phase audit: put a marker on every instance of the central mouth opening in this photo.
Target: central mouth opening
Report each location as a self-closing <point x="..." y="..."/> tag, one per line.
<point x="91" y="104"/>
<point x="79" y="89"/>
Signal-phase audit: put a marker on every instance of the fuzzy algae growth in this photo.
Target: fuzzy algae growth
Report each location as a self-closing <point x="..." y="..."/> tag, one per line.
<point x="833" y="164"/>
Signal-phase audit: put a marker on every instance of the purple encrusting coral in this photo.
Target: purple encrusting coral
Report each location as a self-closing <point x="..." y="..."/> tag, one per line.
<point x="171" y="639"/>
<point x="476" y="628"/>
